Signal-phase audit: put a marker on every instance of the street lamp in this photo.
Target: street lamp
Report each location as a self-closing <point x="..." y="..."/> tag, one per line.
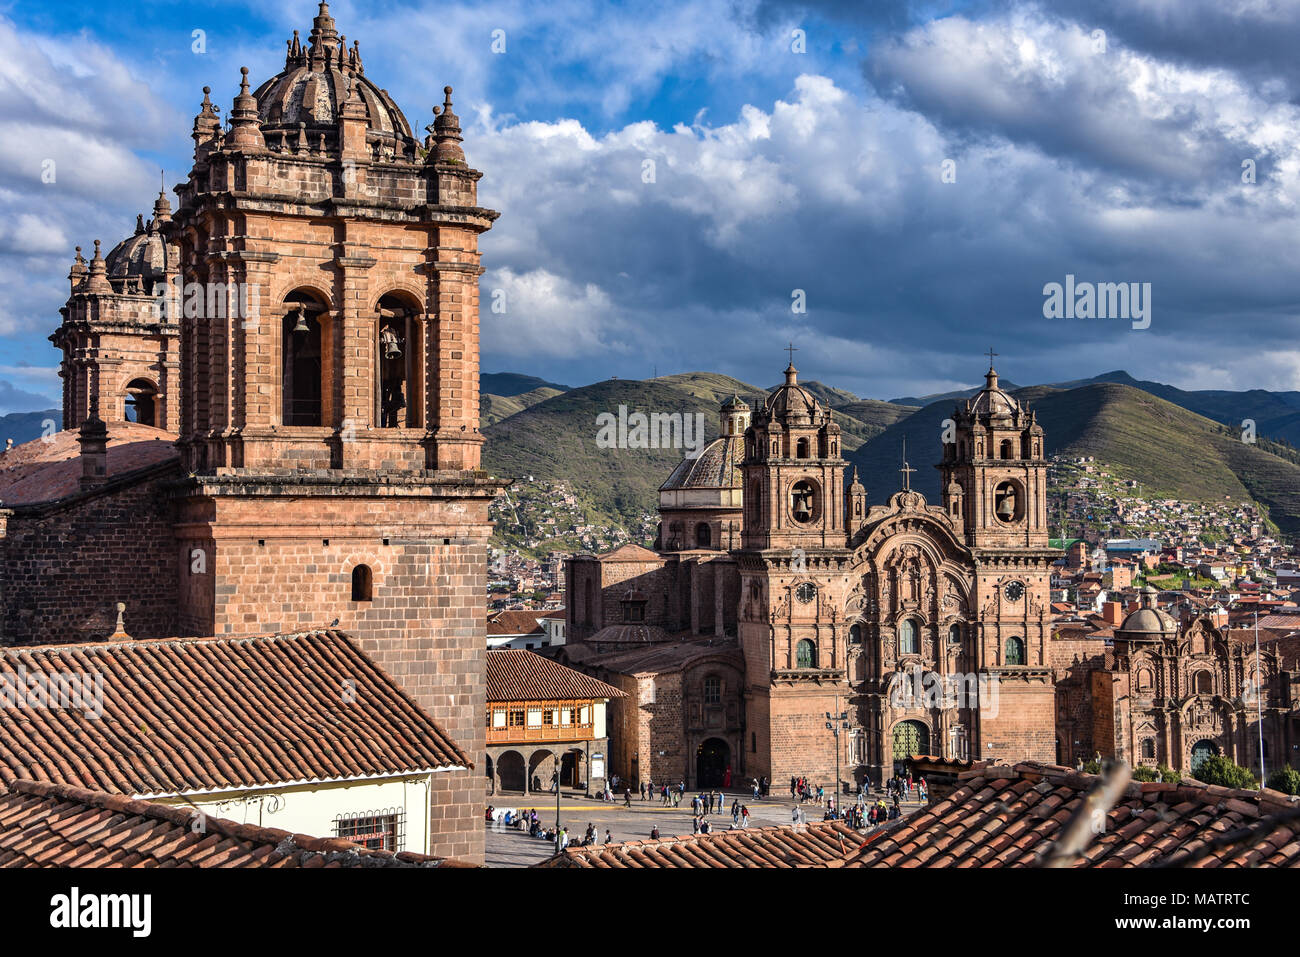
<point x="558" y="846"/>
<point x="835" y="723"/>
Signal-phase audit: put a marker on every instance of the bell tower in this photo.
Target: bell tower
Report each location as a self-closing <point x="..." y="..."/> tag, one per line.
<point x="794" y="567"/>
<point x="793" y="473"/>
<point x="995" y="490"/>
<point x="330" y="355"/>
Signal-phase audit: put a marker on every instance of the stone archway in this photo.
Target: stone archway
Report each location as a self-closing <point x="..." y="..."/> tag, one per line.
<point x="910" y="738"/>
<point x="542" y="766"/>
<point x="510" y="771"/>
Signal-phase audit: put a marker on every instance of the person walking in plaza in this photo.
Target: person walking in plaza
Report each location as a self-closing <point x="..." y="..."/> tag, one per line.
<point x="735" y="813"/>
<point x="744" y="815"/>
<point x="607" y="838"/>
<point x="793" y="784"/>
<point x="627" y="798"/>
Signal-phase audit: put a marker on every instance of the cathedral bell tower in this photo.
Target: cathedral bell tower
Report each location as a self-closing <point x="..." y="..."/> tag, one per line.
<point x="995" y="491"/>
<point x="329" y="334"/>
<point x="793" y="473"/>
<point x="793" y="577"/>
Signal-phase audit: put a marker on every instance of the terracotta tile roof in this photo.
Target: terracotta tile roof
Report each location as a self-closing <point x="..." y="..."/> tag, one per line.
<point x="517" y="675"/>
<point x="199" y="714"/>
<point x="514" y="623"/>
<point x="54" y="825"/>
<point x="45" y="470"/>
<point x="1000" y="816"/>
<point x="815" y="845"/>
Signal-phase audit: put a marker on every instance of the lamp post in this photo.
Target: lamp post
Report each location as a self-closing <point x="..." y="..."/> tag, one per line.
<point x="558" y="846"/>
<point x="835" y="723"/>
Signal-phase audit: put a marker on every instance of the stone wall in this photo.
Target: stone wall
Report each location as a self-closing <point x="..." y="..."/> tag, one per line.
<point x="66" y="564"/>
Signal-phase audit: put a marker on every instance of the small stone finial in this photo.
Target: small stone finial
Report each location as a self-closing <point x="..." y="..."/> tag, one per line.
<point x="119" y="630"/>
<point x="356" y="58"/>
<point x="243" y="81"/>
<point x="97" y="255"/>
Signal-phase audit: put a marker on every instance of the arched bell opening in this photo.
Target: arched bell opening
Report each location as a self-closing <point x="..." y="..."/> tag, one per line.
<point x="304" y="335"/>
<point x="398" y="353"/>
<point x="142" y="402"/>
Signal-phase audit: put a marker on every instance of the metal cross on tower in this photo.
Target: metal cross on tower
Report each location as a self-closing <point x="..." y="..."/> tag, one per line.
<point x="907" y="470"/>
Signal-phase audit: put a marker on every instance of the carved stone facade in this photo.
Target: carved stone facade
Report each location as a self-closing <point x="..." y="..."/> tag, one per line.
<point x="921" y="628"/>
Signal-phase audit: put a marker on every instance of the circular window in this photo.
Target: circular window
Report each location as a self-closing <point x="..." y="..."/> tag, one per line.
<point x="806" y="592"/>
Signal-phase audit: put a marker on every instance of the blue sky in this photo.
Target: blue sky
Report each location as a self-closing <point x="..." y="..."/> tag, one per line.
<point x="1084" y="140"/>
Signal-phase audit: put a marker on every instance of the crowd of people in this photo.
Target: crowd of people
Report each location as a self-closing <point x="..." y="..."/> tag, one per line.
<point x="865" y="811"/>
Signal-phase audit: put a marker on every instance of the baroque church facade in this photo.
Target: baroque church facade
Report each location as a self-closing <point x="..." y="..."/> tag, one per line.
<point x="297" y="446"/>
<point x="785" y="627"/>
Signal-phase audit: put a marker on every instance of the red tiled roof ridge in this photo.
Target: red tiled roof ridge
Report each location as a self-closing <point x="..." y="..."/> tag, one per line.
<point x="120" y="843"/>
<point x="178" y="639"/>
<point x="516" y="674"/>
<point x="220" y="714"/>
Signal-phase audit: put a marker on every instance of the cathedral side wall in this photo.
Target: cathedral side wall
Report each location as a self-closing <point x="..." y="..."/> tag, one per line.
<point x="66" y="567"/>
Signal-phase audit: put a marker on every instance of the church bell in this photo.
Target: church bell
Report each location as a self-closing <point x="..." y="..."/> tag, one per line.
<point x="301" y="326"/>
<point x="1007" y="508"/>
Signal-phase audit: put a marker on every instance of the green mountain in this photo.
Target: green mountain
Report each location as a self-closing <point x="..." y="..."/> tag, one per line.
<point x="555" y="440"/>
<point x="494" y="408"/>
<point x="1166" y="448"/>
<point x="513" y="383"/>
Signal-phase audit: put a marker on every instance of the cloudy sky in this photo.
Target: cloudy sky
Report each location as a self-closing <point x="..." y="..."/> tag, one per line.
<point x="914" y="173"/>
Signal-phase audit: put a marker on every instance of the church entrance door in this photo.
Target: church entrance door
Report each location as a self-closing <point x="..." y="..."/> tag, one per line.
<point x="711" y="762"/>
<point x="910" y="739"/>
<point x="1200" y="752"/>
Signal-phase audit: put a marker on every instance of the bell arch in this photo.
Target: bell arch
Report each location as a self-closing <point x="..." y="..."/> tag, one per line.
<point x="399" y="360"/>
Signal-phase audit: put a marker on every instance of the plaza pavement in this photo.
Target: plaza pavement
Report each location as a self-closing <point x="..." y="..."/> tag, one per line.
<point x="507" y="847"/>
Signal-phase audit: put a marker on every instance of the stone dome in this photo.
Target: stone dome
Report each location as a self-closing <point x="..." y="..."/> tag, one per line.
<point x="316" y="81"/>
<point x="992" y="399"/>
<point x="718" y="466"/>
<point x="1147" y="622"/>
<point x="146" y="256"/>
<point x="791" y="402"/>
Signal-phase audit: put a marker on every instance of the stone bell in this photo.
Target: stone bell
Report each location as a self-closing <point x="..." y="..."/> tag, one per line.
<point x="301" y="326"/>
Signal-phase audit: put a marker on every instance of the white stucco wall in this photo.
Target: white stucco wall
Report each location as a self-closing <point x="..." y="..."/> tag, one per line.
<point x="312" y="808"/>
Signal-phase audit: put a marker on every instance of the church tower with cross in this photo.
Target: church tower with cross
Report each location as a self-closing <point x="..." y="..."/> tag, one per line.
<point x="793" y="567"/>
<point x="994" y="486"/>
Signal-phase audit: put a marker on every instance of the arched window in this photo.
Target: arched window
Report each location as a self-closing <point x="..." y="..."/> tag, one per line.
<point x="703" y="535"/>
<point x="805" y="654"/>
<point x="954" y="634"/>
<point x="302" y="360"/>
<point x="1204" y="683"/>
<point x="1004" y="450"/>
<point x="142" y="402"/>
<point x="1149" y="749"/>
<point x="855" y="634"/>
<point x="362" y="583"/>
<point x="1015" y="653"/>
<point x="397" y="367"/>
<point x="908" y="641"/>
<point x="1025" y="447"/>
<point x="712" y="690"/>
<point x="801" y="449"/>
<point x="1144" y="679"/>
